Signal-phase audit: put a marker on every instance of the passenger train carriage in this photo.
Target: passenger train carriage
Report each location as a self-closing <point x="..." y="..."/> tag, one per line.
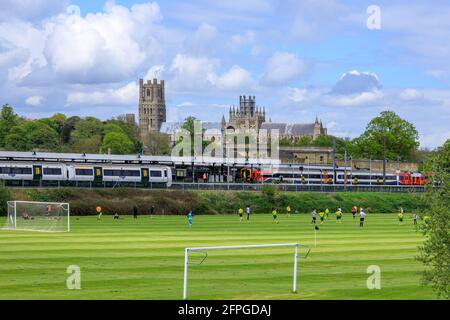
<point x="69" y="174"/>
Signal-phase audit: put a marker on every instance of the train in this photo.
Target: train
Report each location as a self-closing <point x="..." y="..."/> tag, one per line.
<point x="92" y="174"/>
<point x="329" y="175"/>
<point x="66" y="169"/>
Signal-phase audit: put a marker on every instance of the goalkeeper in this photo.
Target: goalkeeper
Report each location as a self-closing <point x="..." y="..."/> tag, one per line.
<point x="99" y="212"/>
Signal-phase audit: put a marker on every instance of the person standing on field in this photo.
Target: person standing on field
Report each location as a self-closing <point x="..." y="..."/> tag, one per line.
<point x="414" y="217"/>
<point x="313" y="216"/>
<point x="288" y="211"/>
<point x="99" y="212"/>
<point x="274" y="215"/>
<point x="152" y="211"/>
<point x="190" y="218"/>
<point x="354" y="210"/>
<point x="241" y="214"/>
<point x="362" y="215"/>
<point x="247" y="210"/>
<point x="135" y="212"/>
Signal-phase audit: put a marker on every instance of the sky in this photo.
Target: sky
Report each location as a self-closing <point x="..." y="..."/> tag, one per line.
<point x="300" y="58"/>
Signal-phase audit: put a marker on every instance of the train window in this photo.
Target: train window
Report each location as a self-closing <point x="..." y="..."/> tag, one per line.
<point x="121" y="173"/>
<point x="84" y="172"/>
<point x="165" y="173"/>
<point x="154" y="173"/>
<point x="16" y="170"/>
<point x="52" y="171"/>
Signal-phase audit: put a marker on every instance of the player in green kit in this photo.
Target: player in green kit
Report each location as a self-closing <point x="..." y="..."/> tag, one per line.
<point x="274" y="215"/>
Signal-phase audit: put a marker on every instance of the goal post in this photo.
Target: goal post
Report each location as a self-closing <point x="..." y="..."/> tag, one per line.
<point x="38" y="216"/>
<point x="294" y="245"/>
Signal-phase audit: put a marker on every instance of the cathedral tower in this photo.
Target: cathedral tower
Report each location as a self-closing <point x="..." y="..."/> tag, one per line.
<point x="152" y="106"/>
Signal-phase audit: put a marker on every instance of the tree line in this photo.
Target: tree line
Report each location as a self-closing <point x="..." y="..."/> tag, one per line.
<point x="60" y="133"/>
<point x="387" y="135"/>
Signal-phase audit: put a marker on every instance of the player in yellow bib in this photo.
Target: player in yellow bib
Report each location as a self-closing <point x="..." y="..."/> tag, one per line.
<point x="288" y="211"/>
<point x="339" y="216"/>
<point x="274" y="215"/>
<point x="327" y="212"/>
<point x="400" y="217"/>
<point x="241" y="214"/>
<point x="321" y="217"/>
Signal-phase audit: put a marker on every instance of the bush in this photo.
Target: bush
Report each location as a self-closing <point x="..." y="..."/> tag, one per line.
<point x="84" y="201"/>
<point x="5" y="196"/>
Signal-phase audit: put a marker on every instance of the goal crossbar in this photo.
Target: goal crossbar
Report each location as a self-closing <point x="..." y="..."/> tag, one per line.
<point x="187" y="250"/>
<point x="13" y="215"/>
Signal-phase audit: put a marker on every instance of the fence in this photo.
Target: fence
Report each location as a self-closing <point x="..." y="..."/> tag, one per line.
<point x="220" y="186"/>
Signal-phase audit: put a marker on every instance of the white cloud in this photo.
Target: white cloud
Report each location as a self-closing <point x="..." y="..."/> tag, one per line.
<point x="34" y="100"/>
<point x="127" y="94"/>
<point x="103" y="47"/>
<point x="411" y="94"/>
<point x="282" y="68"/>
<point x="202" y="39"/>
<point x="354" y="82"/>
<point x="192" y="72"/>
<point x="236" y="78"/>
<point x="155" y="72"/>
<point x="185" y="104"/>
<point x="354" y="100"/>
<point x="31" y="9"/>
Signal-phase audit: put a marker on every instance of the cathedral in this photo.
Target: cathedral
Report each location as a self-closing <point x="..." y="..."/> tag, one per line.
<point x="249" y="117"/>
<point x="246" y="117"/>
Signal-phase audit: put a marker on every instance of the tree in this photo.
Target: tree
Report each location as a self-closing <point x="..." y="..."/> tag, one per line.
<point x="157" y="144"/>
<point x="41" y="136"/>
<point x="435" y="251"/>
<point x="87" y="128"/>
<point x="16" y="139"/>
<point x="67" y="128"/>
<point x="388" y="130"/>
<point x="87" y="135"/>
<point x="117" y="143"/>
<point x="8" y="119"/>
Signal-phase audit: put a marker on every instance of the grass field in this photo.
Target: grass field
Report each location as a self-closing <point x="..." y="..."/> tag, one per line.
<point x="143" y="259"/>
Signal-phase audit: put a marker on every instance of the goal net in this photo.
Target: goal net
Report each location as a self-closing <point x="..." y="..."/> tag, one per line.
<point x="232" y="265"/>
<point x="38" y="216"/>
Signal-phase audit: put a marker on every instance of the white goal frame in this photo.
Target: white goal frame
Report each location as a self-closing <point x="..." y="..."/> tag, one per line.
<point x="187" y="250"/>
<point x="14" y="204"/>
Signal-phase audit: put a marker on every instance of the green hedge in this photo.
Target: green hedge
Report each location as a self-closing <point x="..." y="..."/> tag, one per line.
<point x="5" y="196"/>
<point x="84" y="201"/>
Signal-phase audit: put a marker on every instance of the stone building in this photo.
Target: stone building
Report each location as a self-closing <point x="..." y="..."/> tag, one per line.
<point x="246" y="117"/>
<point x="293" y="131"/>
<point x="152" y="106"/>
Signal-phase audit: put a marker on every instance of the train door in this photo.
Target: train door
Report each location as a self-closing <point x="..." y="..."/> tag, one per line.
<point x="37" y="173"/>
<point x="145" y="176"/>
<point x="98" y="174"/>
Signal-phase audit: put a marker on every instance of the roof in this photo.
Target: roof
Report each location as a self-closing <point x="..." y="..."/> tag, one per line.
<point x="294" y="129"/>
<point x="173" y="127"/>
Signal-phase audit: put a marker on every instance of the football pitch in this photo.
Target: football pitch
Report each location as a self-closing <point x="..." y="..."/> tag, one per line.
<point x="143" y="259"/>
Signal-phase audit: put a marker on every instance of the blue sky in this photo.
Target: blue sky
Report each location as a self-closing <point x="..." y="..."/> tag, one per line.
<point x="300" y="58"/>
